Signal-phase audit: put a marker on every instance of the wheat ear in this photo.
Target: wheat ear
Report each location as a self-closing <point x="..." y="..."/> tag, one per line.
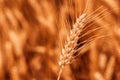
<point x="71" y="43"/>
<point x="71" y="46"/>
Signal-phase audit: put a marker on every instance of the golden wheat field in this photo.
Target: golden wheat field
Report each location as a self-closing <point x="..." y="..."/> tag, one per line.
<point x="59" y="39"/>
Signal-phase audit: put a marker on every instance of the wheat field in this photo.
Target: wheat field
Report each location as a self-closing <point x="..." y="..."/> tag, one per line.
<point x="59" y="39"/>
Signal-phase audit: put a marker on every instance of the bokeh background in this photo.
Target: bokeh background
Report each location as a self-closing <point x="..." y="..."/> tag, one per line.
<point x="32" y="31"/>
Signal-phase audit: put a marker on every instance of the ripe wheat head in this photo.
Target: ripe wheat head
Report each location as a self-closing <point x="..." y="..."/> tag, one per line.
<point x="72" y="45"/>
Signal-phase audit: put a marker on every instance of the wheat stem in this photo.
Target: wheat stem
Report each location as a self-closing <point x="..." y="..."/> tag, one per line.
<point x="60" y="72"/>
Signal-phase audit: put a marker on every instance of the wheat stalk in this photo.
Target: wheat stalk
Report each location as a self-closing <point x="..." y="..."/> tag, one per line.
<point x="72" y="46"/>
<point x="71" y="43"/>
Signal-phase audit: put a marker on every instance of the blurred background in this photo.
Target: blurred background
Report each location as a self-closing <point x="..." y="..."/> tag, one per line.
<point x="31" y="32"/>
